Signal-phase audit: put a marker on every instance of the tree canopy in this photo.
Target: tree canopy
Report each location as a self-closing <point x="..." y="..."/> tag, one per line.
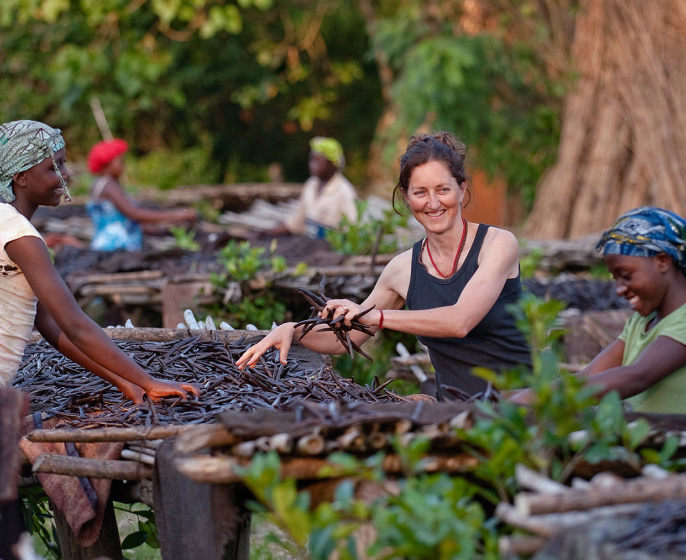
<point x="235" y="85"/>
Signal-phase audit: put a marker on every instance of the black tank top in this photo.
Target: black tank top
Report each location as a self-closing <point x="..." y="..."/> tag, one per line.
<point x="494" y="343"/>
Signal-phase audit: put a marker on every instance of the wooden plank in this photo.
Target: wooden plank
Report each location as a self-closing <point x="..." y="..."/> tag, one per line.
<point x="53" y="463"/>
<point x="166" y="335"/>
<point x="179" y="296"/>
<point x="198" y="521"/>
<point x="107" y="545"/>
<point x="119" y="277"/>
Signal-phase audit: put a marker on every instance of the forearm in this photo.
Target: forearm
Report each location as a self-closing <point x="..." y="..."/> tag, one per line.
<point x="622" y="379"/>
<point x="102" y="354"/>
<point x="326" y="342"/>
<point x="145" y="216"/>
<point x="68" y="349"/>
<point x="438" y="322"/>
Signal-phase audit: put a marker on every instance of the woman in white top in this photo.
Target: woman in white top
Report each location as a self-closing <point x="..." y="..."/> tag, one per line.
<point x="33" y="173"/>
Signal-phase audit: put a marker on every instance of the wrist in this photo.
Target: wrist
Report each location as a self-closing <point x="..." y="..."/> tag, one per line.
<point x="380" y="319"/>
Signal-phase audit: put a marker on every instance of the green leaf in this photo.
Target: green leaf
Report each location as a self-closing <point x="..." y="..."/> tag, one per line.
<point x="134" y="539"/>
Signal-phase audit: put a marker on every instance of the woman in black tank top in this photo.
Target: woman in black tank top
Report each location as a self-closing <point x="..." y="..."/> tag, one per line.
<point x="456" y="282"/>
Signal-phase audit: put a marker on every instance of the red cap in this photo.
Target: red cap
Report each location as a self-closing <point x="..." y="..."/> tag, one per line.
<point x="104" y="152"/>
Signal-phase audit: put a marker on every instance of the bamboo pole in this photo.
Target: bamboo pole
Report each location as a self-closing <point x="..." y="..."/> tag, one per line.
<point x="91" y="468"/>
<point x="76" y="435"/>
<point x="636" y="490"/>
<point x="548" y="524"/>
<point x="221" y="470"/>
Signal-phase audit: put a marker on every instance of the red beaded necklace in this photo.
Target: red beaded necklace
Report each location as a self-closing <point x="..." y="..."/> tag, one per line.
<point x="457" y="257"/>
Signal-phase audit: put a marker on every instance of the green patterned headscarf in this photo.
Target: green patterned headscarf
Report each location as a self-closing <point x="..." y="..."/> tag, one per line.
<point x="24" y="144"/>
<point x="330" y="148"/>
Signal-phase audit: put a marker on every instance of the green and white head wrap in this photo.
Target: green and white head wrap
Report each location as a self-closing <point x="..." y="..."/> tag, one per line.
<point x="24" y="144"/>
<point x="330" y="148"/>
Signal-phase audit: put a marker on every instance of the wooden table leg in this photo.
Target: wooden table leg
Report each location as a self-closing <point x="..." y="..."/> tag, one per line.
<point x="198" y="521"/>
<point x="107" y="545"/>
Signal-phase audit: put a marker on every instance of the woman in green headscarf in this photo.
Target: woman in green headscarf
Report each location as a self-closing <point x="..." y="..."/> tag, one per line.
<point x="327" y="195"/>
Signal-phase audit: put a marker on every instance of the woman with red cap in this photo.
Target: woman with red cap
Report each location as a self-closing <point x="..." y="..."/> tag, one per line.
<point x="116" y="218"/>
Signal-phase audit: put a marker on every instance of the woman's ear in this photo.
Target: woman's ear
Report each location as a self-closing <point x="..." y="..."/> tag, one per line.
<point x="463" y="190"/>
<point x="664" y="262"/>
<point x="19" y="179"/>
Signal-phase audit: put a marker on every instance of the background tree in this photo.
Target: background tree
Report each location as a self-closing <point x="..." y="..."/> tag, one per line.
<point x="623" y="134"/>
<point x="218" y="89"/>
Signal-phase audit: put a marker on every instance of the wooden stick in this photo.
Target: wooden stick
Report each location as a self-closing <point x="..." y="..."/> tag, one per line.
<point x="165" y="335"/>
<point x="197" y="437"/>
<point x="548" y="524"/>
<point x="637" y="490"/>
<point x="532" y="480"/>
<point x="515" y="545"/>
<point x="137" y="456"/>
<point x="108" y="434"/>
<point x="220" y="470"/>
<point x="92" y="468"/>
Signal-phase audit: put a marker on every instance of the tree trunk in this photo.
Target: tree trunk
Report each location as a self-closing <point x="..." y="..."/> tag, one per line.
<point x="381" y="176"/>
<point x="623" y="134"/>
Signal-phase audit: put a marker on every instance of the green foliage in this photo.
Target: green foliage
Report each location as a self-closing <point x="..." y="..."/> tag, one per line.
<point x="242" y="263"/>
<point x="433" y="516"/>
<point x="530" y="263"/>
<point x="166" y="169"/>
<point x="38" y="519"/>
<point x="359" y="238"/>
<point x="184" y="238"/>
<point x="260" y="309"/>
<point x="495" y="94"/>
<point x="146" y="529"/>
<point x="193" y="81"/>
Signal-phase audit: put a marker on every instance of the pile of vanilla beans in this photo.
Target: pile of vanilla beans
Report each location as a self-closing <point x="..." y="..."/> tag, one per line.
<point x="60" y="388"/>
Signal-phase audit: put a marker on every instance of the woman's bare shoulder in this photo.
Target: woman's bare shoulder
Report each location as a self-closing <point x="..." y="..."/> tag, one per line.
<point x="397" y="271"/>
<point x="501" y="240"/>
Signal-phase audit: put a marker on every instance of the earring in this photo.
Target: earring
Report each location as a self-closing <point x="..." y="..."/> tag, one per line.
<point x="6" y="192"/>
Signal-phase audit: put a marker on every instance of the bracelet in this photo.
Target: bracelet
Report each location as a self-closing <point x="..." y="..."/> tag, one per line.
<point x="381" y="320"/>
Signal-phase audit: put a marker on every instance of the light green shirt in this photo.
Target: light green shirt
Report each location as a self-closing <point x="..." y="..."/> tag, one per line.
<point x="668" y="396"/>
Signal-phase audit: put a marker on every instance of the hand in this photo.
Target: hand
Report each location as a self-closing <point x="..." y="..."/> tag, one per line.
<point x="131" y="391"/>
<point x="280" y="338"/>
<point x="339" y="307"/>
<point x="159" y="388"/>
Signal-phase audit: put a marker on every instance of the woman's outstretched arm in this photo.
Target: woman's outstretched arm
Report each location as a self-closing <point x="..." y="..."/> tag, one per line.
<point x="115" y="193"/>
<point x="384" y="296"/>
<point x="32" y="257"/>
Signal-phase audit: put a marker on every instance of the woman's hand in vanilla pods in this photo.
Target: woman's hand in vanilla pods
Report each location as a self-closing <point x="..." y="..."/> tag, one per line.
<point x="158" y="388"/>
<point x="336" y="307"/>
<point x="280" y="338"/>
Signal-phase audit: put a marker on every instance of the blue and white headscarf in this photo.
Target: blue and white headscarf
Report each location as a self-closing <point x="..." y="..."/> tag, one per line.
<point x="24" y="144"/>
<point x="646" y="232"/>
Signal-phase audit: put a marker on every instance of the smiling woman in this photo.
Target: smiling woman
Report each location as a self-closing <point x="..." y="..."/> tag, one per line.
<point x="456" y="282"/>
<point x="644" y="252"/>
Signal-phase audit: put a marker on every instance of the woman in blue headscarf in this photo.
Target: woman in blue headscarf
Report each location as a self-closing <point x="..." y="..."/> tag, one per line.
<point x="645" y="251"/>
